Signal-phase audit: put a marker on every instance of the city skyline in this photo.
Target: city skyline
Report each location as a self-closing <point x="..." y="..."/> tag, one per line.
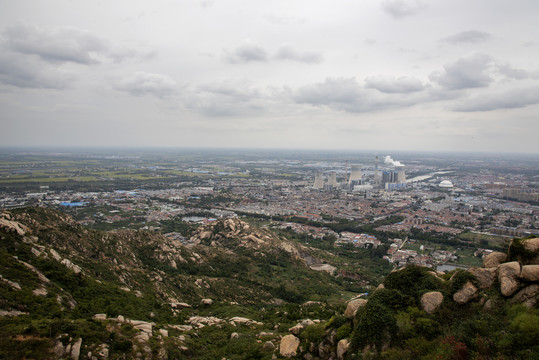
<point x="405" y="75"/>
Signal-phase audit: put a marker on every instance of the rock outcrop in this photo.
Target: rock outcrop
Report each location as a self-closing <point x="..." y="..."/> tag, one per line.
<point x="431" y="301"/>
<point x="342" y="348"/>
<point x="485" y="276"/>
<point x="529" y="296"/>
<point x="289" y="346"/>
<point x="508" y="274"/>
<point x="494" y="259"/>
<point x="353" y="306"/>
<point x="530" y="273"/>
<point x="466" y="294"/>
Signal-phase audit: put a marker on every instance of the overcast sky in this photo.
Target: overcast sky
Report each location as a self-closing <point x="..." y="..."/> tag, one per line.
<point x="345" y="74"/>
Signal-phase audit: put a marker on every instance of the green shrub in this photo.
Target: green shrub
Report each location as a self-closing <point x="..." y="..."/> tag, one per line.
<point x="412" y="281"/>
<point x="391" y="298"/>
<point x="343" y="332"/>
<point x="313" y="333"/>
<point x="376" y="325"/>
<point x="337" y="321"/>
<point x="427" y="328"/>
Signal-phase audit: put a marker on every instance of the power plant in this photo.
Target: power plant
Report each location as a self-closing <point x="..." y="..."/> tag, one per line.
<point x="391" y="177"/>
<point x="355" y="176"/>
<point x="318" y="181"/>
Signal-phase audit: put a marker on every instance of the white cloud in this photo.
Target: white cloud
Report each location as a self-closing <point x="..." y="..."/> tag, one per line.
<point x="467" y="72"/>
<point x="229" y="98"/>
<point x="345" y="94"/>
<point x="470" y="37"/>
<point x="517" y="74"/>
<point x="55" y="45"/>
<point x="27" y="73"/>
<point x="512" y="99"/>
<point x="390" y="84"/>
<point x="402" y="8"/>
<point x="248" y="51"/>
<point x="143" y="83"/>
<point x="286" y="52"/>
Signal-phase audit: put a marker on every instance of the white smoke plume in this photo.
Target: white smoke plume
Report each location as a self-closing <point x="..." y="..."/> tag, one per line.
<point x="389" y="160"/>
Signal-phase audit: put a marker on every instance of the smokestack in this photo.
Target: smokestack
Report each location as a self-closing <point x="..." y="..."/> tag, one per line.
<point x="377" y="175"/>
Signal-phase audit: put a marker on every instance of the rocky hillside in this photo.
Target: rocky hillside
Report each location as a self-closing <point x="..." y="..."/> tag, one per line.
<point x="481" y="313"/>
<point x="242" y="292"/>
<point x="55" y="275"/>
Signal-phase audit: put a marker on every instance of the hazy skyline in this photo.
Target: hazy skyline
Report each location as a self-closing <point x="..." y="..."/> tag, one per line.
<point x="393" y="74"/>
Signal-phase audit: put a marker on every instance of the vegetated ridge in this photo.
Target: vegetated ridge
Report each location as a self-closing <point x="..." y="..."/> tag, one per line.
<point x="242" y="292"/>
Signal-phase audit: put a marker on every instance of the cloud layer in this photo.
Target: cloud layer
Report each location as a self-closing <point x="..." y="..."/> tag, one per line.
<point x="414" y="74"/>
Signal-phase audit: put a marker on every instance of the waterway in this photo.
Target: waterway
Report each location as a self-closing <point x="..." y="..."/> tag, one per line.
<point x="428" y="176"/>
<point x="449" y="267"/>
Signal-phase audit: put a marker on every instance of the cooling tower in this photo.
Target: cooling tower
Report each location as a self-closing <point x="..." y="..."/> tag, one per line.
<point x="401" y="177"/>
<point x="355" y="174"/>
<point x="318" y="181"/>
<point x="332" y="180"/>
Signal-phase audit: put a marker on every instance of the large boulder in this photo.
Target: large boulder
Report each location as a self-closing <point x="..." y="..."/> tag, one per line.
<point x="466" y="294"/>
<point x="485" y="276"/>
<point x="525" y="251"/>
<point x="268" y="346"/>
<point x="431" y="301"/>
<point x="508" y="276"/>
<point x="75" y="349"/>
<point x="206" y="302"/>
<point x="342" y="348"/>
<point x="531" y="245"/>
<point x="494" y="259"/>
<point x="530" y="273"/>
<point x="289" y="346"/>
<point x="527" y="296"/>
<point x="296" y="329"/>
<point x="353" y="306"/>
<point x="143" y="326"/>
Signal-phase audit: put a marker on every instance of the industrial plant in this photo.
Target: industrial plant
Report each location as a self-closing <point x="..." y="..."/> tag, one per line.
<point x="358" y="178"/>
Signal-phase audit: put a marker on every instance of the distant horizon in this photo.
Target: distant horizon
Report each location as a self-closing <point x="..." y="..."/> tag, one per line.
<point x="380" y="152"/>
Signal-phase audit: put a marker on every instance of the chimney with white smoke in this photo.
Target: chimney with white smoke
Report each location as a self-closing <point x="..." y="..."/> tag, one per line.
<point x="389" y="160"/>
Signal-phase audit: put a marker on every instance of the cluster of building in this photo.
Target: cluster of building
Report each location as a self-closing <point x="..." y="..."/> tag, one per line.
<point x="355" y="179"/>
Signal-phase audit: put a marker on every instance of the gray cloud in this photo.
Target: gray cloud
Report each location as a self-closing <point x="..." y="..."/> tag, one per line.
<point x="467" y="72"/>
<point x="54" y="45"/>
<point x="143" y="83"/>
<point x="132" y="53"/>
<point x="347" y="95"/>
<point x="402" y="8"/>
<point x="470" y="37"/>
<point x="515" y="98"/>
<point x="518" y="74"/>
<point x="247" y="52"/>
<point x="286" y="52"/>
<point x="228" y="98"/>
<point x="25" y="73"/>
<point x="393" y="85"/>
